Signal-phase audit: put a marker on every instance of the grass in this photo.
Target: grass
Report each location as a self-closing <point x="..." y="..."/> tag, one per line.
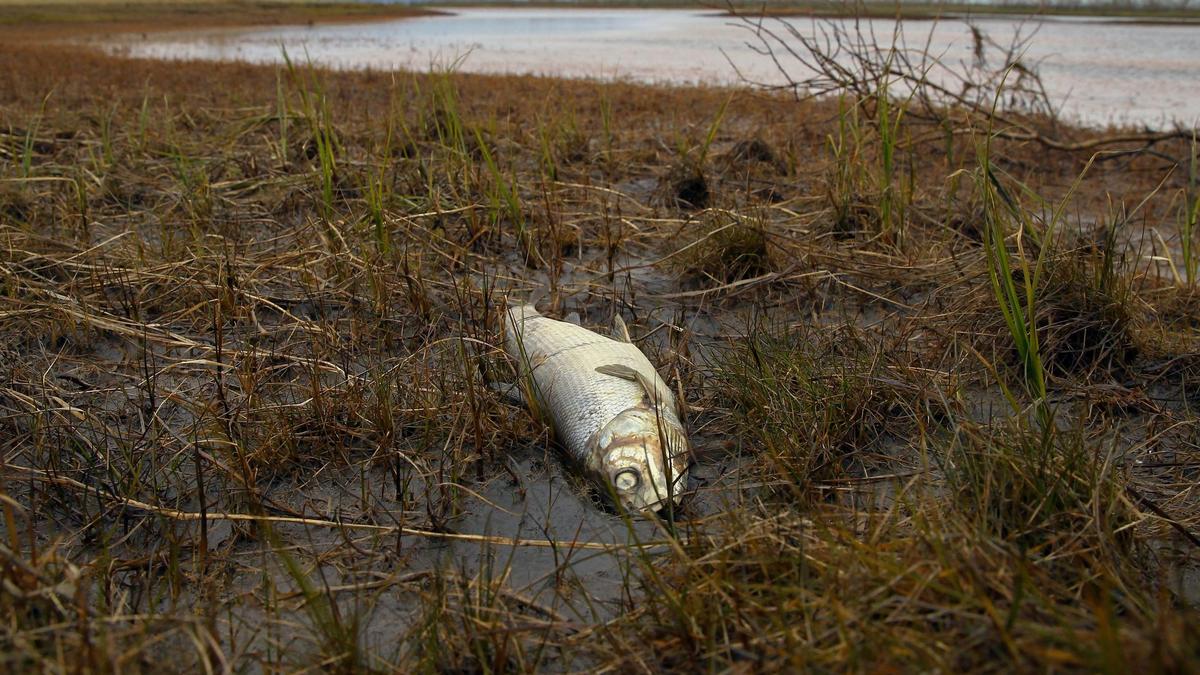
<point x="811" y="405"/>
<point x="940" y="384"/>
<point x="1189" y="215"/>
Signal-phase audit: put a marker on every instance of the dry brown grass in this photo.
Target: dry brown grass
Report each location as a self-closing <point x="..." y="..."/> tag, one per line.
<point x="245" y="421"/>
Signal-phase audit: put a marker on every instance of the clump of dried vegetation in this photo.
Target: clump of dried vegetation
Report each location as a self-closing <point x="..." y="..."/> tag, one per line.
<point x="941" y="385"/>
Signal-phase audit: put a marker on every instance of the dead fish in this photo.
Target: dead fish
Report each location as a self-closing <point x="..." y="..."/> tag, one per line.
<point x="609" y="409"/>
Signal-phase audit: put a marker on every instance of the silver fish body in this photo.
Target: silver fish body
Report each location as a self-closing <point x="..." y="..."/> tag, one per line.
<point x="609" y="408"/>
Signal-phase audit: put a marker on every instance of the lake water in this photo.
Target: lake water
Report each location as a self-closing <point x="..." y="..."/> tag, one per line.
<point x="1098" y="71"/>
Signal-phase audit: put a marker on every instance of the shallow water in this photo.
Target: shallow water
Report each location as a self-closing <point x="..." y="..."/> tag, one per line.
<point x="1099" y="71"/>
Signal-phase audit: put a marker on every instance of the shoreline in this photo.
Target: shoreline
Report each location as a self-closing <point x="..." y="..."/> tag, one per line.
<point x="33" y="23"/>
<point x="914" y="12"/>
<point x="90" y="34"/>
<point x="1106" y="19"/>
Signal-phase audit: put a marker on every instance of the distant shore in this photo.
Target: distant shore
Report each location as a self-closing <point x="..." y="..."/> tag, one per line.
<point x="49" y="20"/>
<point x="912" y="11"/>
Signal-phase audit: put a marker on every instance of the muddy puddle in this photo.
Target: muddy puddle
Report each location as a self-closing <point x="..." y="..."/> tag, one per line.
<point x="534" y="540"/>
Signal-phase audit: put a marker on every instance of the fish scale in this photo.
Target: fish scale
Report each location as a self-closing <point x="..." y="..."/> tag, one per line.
<point x="564" y="358"/>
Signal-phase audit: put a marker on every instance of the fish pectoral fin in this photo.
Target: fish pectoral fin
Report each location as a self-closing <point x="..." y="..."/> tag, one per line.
<point x="573" y="317"/>
<point x="650" y="385"/>
<point x="618" y="370"/>
<point x="620" y="330"/>
<point x="655" y="388"/>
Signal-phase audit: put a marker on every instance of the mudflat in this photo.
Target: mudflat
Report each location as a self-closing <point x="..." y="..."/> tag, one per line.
<point x="939" y="372"/>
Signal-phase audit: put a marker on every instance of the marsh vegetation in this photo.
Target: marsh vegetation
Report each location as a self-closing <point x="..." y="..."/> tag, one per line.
<point x="940" y="363"/>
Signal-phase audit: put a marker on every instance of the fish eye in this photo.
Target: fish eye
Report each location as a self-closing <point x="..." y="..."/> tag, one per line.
<point x="627" y="479"/>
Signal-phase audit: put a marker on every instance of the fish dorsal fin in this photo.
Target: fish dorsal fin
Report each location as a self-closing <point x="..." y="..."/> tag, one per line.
<point x="620" y="330"/>
<point x="649" y="384"/>
<point x="538" y="295"/>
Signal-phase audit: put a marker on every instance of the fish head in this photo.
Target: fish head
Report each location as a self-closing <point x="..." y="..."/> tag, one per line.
<point x="643" y="456"/>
